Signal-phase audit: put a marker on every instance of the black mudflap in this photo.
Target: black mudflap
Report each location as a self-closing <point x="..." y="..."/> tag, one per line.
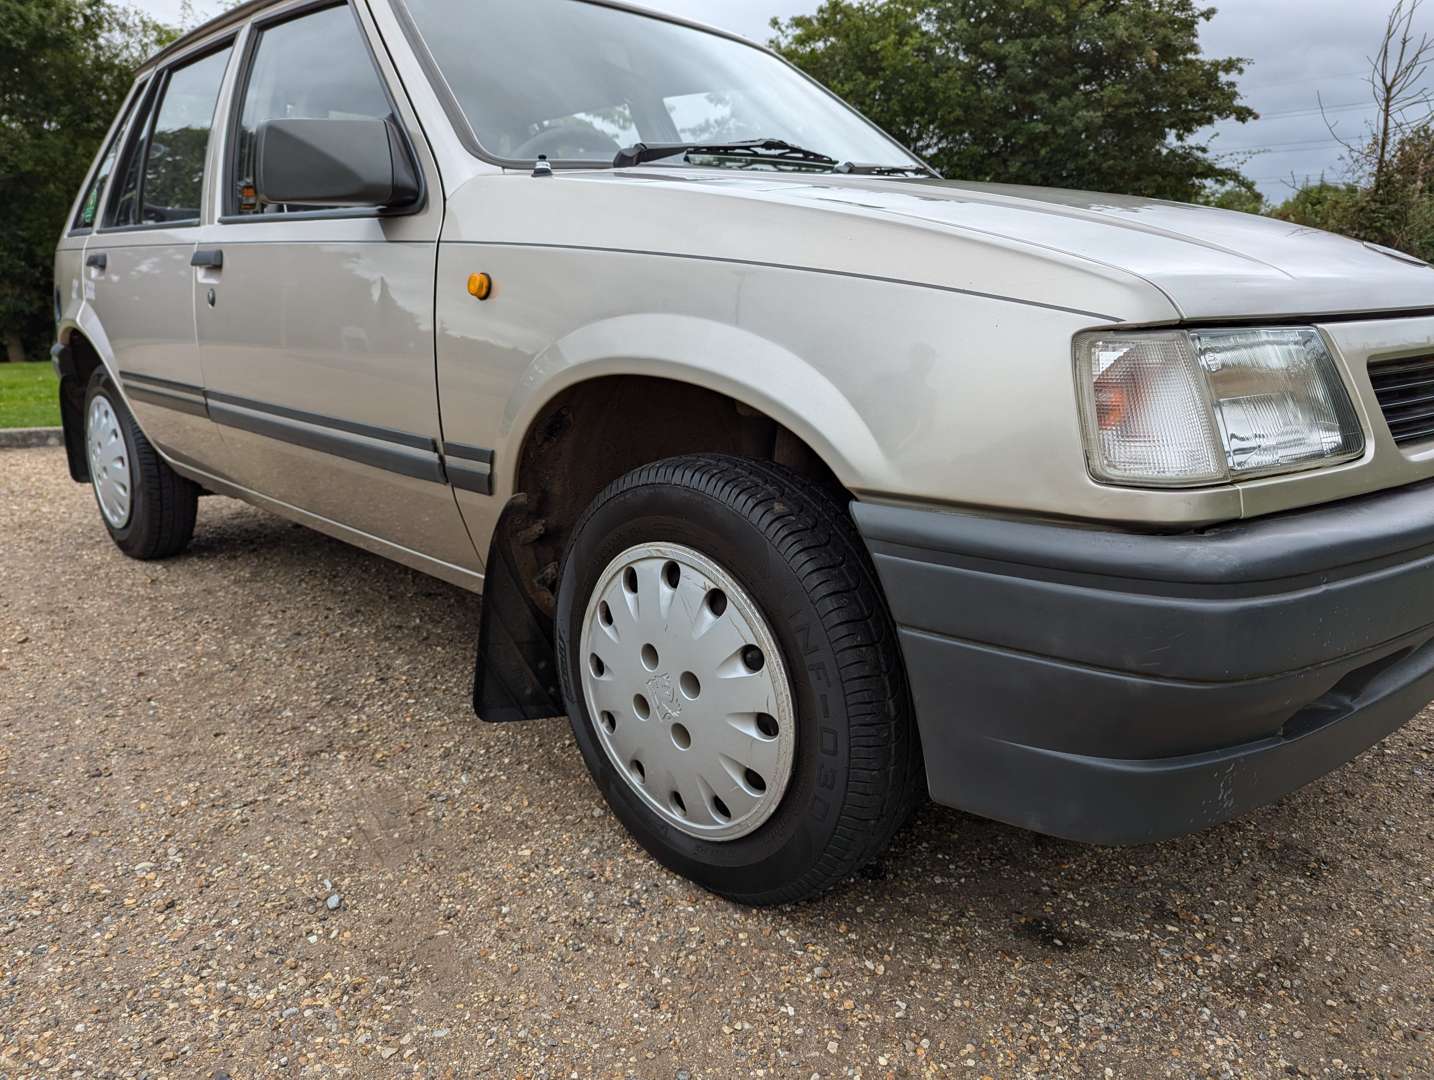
<point x="517" y="673"/>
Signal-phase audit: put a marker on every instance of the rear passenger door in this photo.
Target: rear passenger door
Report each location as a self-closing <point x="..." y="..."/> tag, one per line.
<point x="137" y="274"/>
<point x="316" y="326"/>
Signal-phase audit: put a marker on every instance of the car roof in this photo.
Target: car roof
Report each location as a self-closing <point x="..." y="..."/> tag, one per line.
<point x="241" y="13"/>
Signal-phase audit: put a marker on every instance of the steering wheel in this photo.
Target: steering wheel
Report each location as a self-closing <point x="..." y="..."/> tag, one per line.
<point x="570" y="138"/>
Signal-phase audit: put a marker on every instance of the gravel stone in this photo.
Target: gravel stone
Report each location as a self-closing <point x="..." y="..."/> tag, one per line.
<point x="163" y="730"/>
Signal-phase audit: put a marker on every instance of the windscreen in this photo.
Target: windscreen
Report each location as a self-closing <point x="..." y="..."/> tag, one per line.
<point x="578" y="82"/>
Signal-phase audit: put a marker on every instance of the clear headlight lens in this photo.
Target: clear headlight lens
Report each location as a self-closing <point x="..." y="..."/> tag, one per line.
<point x="1177" y="408"/>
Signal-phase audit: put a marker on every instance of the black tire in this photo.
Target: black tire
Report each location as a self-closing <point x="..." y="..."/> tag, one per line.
<point x="163" y="504"/>
<point x="857" y="773"/>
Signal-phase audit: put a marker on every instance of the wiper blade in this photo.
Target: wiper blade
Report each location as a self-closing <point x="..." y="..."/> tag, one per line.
<point x="756" y="150"/>
<point x="854" y="168"/>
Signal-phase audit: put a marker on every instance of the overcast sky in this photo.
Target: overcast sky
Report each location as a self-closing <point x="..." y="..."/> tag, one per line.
<point x="1300" y="50"/>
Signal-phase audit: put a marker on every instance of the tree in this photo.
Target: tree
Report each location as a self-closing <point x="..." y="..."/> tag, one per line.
<point x="1396" y="79"/>
<point x="1389" y="198"/>
<point x="65" y="66"/>
<point x="1396" y="210"/>
<point x="1098" y="94"/>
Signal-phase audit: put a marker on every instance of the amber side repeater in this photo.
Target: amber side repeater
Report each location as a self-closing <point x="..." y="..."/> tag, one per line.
<point x="480" y="286"/>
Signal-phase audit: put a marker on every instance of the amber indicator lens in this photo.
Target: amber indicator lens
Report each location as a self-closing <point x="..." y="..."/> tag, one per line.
<point x="480" y="286"/>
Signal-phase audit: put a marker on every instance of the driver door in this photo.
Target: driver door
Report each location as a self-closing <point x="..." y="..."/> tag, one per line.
<point x="316" y="327"/>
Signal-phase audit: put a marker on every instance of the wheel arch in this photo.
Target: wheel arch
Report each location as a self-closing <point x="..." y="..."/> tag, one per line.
<point x="78" y="358"/>
<point x="753" y="371"/>
<point x="611" y="398"/>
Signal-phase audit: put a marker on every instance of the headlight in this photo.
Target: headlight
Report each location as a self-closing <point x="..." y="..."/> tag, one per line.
<point x="1177" y="408"/>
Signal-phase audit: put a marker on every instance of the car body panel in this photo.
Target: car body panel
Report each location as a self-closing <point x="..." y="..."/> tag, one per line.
<point x="347" y="339"/>
<point x="1212" y="264"/>
<point x="71" y="306"/>
<point x="74" y="283"/>
<point x="728" y="327"/>
<point x="138" y="307"/>
<point x="462" y="576"/>
<point x="331" y="391"/>
<point x="620" y="258"/>
<point x="144" y="298"/>
<point x="827" y="224"/>
<point x="915" y="335"/>
<point x="812" y="298"/>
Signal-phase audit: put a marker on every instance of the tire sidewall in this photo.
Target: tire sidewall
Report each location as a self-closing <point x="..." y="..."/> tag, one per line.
<point x="790" y="843"/>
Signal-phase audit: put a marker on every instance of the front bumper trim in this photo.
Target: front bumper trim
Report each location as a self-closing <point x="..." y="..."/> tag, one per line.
<point x="1120" y="688"/>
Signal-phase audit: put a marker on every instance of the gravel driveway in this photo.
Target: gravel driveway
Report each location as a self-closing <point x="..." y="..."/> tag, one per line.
<point x="249" y="826"/>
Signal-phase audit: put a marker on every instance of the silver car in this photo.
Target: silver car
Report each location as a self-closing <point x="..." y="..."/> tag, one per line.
<point x="803" y="481"/>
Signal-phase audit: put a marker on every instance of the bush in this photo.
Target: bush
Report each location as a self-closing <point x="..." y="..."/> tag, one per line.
<point x="1243" y="197"/>
<point x="1396" y="207"/>
<point x="1324" y="205"/>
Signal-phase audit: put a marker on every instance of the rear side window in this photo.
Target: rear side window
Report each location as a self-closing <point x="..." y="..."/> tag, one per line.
<point x="163" y="180"/>
<point x="314" y="67"/>
<point x="90" y="206"/>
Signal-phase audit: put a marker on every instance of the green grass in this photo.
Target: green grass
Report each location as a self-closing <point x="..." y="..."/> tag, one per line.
<point x="29" y="396"/>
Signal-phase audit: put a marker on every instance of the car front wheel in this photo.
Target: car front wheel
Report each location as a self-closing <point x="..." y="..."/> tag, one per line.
<point x="733" y="677"/>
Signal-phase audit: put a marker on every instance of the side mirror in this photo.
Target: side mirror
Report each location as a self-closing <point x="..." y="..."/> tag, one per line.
<point x="334" y="163"/>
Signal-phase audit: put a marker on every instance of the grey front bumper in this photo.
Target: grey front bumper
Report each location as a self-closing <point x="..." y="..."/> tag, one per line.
<point x="1123" y="688"/>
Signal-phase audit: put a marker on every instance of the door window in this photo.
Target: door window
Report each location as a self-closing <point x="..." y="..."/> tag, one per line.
<point x="164" y="172"/>
<point x="314" y="67"/>
<point x="124" y="202"/>
<point x="90" y="206"/>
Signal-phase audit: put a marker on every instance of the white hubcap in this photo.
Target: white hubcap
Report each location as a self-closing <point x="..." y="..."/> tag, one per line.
<point x="688" y="690"/>
<point x="109" y="462"/>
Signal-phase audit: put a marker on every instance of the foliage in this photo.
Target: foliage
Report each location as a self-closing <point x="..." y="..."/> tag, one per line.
<point x="1242" y="196"/>
<point x="65" y="66"/>
<point x="174" y="173"/>
<point x="1387" y="200"/>
<point x="1396" y="85"/>
<point x="29" y="396"/>
<point x="1390" y="197"/>
<point x="1068" y="93"/>
<point x="1394" y="207"/>
<point x="1324" y="205"/>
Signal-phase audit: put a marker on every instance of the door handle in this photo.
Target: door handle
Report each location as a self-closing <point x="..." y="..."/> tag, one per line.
<point x="98" y="261"/>
<point x="208" y="259"/>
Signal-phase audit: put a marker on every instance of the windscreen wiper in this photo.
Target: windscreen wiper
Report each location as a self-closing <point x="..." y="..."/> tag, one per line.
<point x="855" y="168"/>
<point x="756" y="150"/>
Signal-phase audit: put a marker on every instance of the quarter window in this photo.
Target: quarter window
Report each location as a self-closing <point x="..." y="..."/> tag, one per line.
<point x="90" y="206"/>
<point x="164" y="173"/>
<point x="314" y="67"/>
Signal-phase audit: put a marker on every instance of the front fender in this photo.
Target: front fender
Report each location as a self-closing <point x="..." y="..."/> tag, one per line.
<point x="748" y="368"/>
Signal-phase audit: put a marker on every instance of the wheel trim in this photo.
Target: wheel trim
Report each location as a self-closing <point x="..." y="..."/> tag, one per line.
<point x="109" y="462"/>
<point x="701" y="727"/>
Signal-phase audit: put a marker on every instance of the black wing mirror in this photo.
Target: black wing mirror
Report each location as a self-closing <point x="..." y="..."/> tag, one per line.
<point x="334" y="163"/>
